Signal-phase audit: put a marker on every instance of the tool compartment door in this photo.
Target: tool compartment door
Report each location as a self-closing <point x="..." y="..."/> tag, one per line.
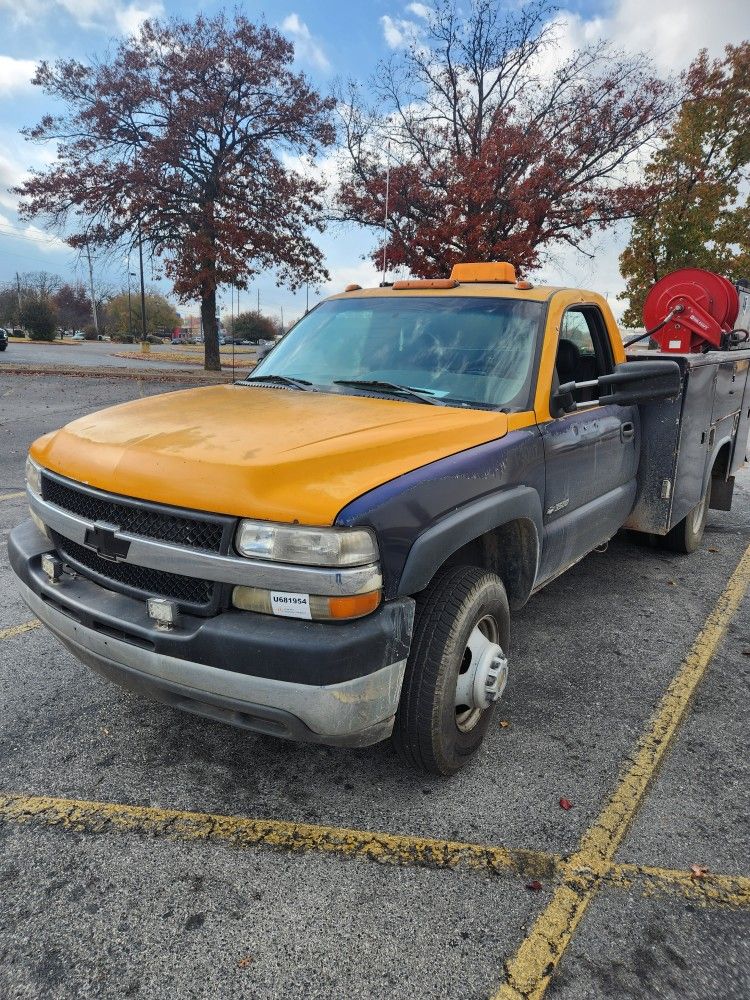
<point x="739" y="449"/>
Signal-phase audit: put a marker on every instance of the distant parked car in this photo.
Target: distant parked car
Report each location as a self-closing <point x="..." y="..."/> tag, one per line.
<point x="78" y="336"/>
<point x="3" y="338"/>
<point x="264" y="348"/>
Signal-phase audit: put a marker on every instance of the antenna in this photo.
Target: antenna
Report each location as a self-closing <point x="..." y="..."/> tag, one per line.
<point x="387" y="198"/>
<point x="234" y="326"/>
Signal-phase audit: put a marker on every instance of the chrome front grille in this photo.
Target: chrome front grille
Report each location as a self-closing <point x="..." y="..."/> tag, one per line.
<point x="203" y="532"/>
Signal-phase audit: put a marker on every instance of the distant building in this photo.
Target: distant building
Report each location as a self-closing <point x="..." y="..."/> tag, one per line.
<point x="191" y="329"/>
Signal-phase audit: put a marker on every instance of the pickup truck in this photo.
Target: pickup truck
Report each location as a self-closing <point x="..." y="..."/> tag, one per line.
<point x="329" y="550"/>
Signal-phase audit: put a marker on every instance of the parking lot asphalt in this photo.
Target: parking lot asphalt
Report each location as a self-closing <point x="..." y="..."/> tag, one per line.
<point x="110" y="904"/>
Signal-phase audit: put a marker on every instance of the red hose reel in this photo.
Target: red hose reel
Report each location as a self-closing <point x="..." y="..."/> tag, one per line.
<point x="694" y="309"/>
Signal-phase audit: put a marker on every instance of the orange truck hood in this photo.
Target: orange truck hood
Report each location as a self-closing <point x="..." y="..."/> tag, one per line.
<point x="274" y="454"/>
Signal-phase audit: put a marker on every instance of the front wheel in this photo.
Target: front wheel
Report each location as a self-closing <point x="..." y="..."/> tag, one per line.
<point x="456" y="672"/>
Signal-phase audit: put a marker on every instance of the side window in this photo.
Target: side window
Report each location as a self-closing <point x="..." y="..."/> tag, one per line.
<point x="584" y="352"/>
<point x="575" y="329"/>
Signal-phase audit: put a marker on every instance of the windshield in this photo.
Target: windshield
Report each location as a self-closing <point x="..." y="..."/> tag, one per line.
<point x="462" y="350"/>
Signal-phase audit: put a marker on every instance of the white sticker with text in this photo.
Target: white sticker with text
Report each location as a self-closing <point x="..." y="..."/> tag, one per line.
<point x="290" y="605"/>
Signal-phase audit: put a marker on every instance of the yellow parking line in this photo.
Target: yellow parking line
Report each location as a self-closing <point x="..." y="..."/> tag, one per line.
<point x="13" y="630"/>
<point x="709" y="889"/>
<point x="236" y="831"/>
<point x="529" y="971"/>
<point x="385" y="848"/>
<point x="12" y="496"/>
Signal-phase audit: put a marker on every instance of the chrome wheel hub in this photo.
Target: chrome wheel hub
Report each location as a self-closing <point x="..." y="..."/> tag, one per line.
<point x="483" y="674"/>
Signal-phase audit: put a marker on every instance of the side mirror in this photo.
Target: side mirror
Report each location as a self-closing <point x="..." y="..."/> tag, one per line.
<point x="641" y="382"/>
<point x="563" y="401"/>
<point x="631" y="382"/>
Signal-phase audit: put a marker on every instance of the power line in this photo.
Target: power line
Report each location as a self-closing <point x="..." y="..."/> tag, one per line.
<point x="16" y="235"/>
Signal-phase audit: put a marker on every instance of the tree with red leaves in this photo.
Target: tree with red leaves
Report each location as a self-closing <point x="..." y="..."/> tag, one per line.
<point x="73" y="306"/>
<point x="178" y="140"/>
<point x="498" y="147"/>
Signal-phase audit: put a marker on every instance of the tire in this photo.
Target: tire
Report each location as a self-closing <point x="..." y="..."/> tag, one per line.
<point x="687" y="534"/>
<point x="463" y="603"/>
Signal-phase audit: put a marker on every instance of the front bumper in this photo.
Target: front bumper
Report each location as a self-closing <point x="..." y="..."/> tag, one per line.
<point x="312" y="681"/>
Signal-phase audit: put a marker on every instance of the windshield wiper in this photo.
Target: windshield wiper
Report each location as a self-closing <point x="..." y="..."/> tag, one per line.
<point x="296" y="383"/>
<point x="423" y="395"/>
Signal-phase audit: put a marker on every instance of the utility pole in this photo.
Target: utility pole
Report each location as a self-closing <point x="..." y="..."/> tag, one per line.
<point x="93" y="297"/>
<point x="307" y="297"/>
<point x="143" y="289"/>
<point x="131" y="274"/>
<point x="385" y="217"/>
<point x="18" y="286"/>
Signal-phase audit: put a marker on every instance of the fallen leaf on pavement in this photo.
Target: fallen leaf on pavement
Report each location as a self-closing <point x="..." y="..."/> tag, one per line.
<point x="245" y="962"/>
<point x="504" y="722"/>
<point x="713" y="550"/>
<point x="534" y="885"/>
<point x="698" y="871"/>
<point x="566" y="804"/>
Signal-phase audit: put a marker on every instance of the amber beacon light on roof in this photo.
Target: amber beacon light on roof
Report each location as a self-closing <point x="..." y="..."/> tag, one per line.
<point x="481" y="272"/>
<point x="499" y="272"/>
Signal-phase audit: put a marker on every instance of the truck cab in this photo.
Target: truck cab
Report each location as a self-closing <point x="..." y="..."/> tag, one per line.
<point x="330" y="549"/>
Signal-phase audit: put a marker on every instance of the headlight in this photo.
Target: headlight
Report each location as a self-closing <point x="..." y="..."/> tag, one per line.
<point x="291" y="543"/>
<point x="34" y="483"/>
<point x="33" y="476"/>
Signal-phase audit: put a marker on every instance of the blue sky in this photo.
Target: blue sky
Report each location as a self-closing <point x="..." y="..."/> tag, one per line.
<point x="332" y="38"/>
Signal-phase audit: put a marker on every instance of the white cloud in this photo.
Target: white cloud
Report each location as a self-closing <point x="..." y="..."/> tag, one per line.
<point x="15" y="74"/>
<point x="393" y="37"/>
<point x="130" y="18"/>
<point x="98" y="15"/>
<point x="419" y="10"/>
<point x="306" y="48"/>
<point x="400" y="32"/>
<point x="671" y="31"/>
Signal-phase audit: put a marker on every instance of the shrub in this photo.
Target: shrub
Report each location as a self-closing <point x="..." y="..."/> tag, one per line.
<point x="39" y="318"/>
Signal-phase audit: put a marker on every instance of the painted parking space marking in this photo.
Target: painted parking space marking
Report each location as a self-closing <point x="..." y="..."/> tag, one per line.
<point x="385" y="848"/>
<point x="711" y="889"/>
<point x="528" y="972"/>
<point x="12" y="496"/>
<point x="14" y="630"/>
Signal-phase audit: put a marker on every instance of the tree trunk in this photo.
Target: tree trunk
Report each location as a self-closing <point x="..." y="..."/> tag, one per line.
<point x="210" y="332"/>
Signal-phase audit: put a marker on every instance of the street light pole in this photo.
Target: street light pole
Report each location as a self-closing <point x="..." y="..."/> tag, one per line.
<point x="131" y="274"/>
<point x="143" y="289"/>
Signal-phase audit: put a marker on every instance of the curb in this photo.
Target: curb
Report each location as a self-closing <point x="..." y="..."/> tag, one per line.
<point x="144" y="374"/>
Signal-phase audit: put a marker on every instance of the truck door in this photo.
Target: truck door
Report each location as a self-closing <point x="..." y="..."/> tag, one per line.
<point x="591" y="456"/>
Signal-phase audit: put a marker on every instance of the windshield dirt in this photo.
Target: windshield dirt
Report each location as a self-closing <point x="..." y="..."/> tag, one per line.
<point x="460" y="350"/>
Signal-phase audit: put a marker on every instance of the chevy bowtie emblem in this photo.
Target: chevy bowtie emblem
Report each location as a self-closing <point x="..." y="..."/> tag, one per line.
<point x="103" y="539"/>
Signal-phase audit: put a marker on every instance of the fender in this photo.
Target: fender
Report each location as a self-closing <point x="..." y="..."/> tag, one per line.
<point x="722" y="489"/>
<point x="489" y="513"/>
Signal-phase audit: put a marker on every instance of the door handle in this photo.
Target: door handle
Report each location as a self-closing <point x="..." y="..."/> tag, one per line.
<point x="627" y="432"/>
